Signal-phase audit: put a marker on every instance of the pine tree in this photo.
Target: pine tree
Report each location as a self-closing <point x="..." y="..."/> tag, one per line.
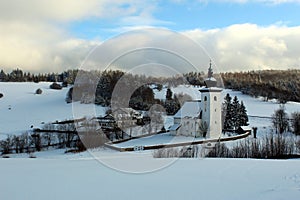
<point x="243" y="115"/>
<point x="3" y="76"/>
<point x="235" y="113"/>
<point x="228" y="123"/>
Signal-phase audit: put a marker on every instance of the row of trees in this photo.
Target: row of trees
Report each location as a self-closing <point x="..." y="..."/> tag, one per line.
<point x="270" y="146"/>
<point x="283" y="85"/>
<point x="58" y="136"/>
<point x="17" y="75"/>
<point x="235" y="113"/>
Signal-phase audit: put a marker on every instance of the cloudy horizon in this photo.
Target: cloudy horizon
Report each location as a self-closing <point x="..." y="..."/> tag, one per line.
<point x="238" y="35"/>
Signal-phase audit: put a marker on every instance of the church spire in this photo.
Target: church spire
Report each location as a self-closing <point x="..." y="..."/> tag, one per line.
<point x="210" y="81"/>
<point x="210" y="71"/>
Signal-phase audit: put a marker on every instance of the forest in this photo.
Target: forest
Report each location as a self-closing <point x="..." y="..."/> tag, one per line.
<point x="283" y="85"/>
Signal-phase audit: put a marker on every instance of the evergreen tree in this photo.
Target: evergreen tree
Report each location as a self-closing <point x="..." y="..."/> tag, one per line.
<point x="228" y="123"/>
<point x="235" y="113"/>
<point x="3" y="76"/>
<point x="243" y="115"/>
<point x="169" y="94"/>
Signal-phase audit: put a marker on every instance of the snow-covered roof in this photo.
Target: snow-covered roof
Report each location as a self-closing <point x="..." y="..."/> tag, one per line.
<point x="189" y="109"/>
<point x="211" y="79"/>
<point x="216" y="89"/>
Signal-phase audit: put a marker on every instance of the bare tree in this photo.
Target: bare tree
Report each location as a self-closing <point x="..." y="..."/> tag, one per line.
<point x="280" y="120"/>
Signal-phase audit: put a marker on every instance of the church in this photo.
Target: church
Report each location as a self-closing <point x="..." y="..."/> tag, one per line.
<point x="201" y="118"/>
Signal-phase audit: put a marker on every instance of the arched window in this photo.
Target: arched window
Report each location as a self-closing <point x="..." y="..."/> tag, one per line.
<point x="205" y="98"/>
<point x="215" y="98"/>
<point x="200" y="116"/>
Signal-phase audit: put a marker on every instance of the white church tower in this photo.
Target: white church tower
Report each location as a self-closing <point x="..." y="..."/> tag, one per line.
<point x="211" y="106"/>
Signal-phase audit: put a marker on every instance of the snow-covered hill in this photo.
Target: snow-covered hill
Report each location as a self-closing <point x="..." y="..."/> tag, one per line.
<point x="21" y="108"/>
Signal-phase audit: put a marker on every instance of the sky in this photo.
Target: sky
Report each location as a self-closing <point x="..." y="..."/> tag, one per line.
<point x="238" y="35"/>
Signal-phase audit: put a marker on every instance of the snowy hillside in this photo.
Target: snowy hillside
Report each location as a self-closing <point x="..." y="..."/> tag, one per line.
<point x="21" y="108"/>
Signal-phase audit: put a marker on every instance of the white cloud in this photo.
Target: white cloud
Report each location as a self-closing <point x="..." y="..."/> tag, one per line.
<point x="66" y="10"/>
<point x="248" y="46"/>
<point x="34" y="35"/>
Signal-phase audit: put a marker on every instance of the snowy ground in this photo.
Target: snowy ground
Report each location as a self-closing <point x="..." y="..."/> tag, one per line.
<point x="21" y="108"/>
<point x="83" y="177"/>
<point x="96" y="175"/>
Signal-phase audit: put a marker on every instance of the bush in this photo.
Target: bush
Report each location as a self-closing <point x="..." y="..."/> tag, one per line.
<point x="271" y="146"/>
<point x="55" y="86"/>
<point x="184" y="152"/>
<point x="39" y="91"/>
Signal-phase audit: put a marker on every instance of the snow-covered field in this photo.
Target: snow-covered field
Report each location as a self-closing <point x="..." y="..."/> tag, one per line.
<point x="56" y="175"/>
<point x="21" y="108"/>
<point x="83" y="178"/>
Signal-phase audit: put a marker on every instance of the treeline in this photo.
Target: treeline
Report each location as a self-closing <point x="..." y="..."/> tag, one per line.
<point x="283" y="85"/>
<point x="17" y="75"/>
<point x="271" y="146"/>
<point x="57" y="136"/>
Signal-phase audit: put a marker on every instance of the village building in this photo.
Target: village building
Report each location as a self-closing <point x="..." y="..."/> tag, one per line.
<point x="201" y="118"/>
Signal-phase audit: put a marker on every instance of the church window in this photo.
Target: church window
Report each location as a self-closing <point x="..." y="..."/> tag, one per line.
<point x="205" y="98"/>
<point x="215" y="98"/>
